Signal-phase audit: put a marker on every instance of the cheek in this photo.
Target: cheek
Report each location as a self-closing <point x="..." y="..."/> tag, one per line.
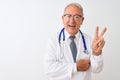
<point x="65" y="23"/>
<point x="79" y="24"/>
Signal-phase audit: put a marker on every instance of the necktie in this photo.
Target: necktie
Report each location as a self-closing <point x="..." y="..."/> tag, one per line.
<point x="73" y="47"/>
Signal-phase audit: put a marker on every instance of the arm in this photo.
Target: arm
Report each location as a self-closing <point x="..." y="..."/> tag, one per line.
<point x="96" y="63"/>
<point x="97" y="45"/>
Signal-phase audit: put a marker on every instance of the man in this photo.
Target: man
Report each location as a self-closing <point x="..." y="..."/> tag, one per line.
<point x="70" y="53"/>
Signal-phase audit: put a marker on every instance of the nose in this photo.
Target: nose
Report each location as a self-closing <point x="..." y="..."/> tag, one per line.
<point x="72" y="20"/>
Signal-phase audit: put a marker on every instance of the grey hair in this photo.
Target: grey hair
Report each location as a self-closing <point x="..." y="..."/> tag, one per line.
<point x="75" y="4"/>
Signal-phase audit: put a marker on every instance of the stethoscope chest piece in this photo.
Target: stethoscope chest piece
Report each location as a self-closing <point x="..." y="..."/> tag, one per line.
<point x="86" y="51"/>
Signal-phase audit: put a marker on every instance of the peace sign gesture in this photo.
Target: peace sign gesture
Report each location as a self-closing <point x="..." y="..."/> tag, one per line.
<point x="98" y="42"/>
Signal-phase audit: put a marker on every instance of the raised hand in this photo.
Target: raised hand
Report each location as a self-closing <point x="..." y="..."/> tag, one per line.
<point x="98" y="42"/>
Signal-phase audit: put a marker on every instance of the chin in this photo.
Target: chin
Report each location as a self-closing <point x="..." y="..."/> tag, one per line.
<point x="72" y="32"/>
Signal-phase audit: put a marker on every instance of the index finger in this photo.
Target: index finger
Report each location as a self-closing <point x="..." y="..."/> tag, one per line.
<point x="96" y="32"/>
<point x="103" y="32"/>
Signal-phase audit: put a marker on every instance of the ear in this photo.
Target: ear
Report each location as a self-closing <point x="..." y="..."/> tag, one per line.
<point x="82" y="20"/>
<point x="62" y="18"/>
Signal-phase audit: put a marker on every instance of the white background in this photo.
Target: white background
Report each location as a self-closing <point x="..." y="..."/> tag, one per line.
<point x="25" y="26"/>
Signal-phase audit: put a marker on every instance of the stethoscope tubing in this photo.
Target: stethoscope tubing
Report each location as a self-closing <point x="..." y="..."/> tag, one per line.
<point x="62" y="33"/>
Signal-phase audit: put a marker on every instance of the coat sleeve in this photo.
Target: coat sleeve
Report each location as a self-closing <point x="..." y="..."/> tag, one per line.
<point x="95" y="61"/>
<point x="55" y="69"/>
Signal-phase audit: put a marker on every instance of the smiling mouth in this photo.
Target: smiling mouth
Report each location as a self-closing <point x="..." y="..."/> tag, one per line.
<point x="71" y="26"/>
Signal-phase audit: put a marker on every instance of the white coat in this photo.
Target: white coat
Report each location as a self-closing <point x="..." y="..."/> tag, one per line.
<point x="59" y="61"/>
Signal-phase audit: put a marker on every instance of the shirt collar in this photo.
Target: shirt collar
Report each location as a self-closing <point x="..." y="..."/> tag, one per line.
<point x="67" y="35"/>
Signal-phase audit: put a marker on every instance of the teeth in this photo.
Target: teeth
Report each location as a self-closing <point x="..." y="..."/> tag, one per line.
<point x="71" y="25"/>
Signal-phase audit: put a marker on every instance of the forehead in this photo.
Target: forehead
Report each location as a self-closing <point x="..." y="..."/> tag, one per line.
<point x="72" y="9"/>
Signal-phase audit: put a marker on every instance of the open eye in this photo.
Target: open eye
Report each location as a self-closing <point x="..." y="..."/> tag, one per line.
<point x="67" y="15"/>
<point x="76" y="16"/>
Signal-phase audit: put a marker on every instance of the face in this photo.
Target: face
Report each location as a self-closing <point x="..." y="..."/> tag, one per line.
<point x="72" y="19"/>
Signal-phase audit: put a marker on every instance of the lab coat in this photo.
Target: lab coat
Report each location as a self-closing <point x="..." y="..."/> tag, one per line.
<point x="59" y="61"/>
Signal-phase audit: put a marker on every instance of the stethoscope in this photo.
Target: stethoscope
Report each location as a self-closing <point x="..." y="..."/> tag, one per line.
<point x="62" y="33"/>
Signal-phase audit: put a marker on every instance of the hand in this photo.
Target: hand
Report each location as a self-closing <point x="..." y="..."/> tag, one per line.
<point x="98" y="42"/>
<point x="83" y="64"/>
